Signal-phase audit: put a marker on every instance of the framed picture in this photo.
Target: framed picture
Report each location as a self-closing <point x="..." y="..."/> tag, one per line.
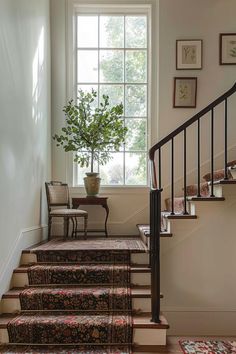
<point x="227" y="48"/>
<point x="185" y="92"/>
<point x="189" y="54"/>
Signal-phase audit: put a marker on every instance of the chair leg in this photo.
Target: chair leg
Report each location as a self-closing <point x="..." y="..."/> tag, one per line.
<point x="49" y="227"/>
<point x="66" y="226"/>
<point x="85" y="227"/>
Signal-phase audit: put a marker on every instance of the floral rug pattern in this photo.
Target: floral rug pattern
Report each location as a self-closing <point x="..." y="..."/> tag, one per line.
<point x="20" y="349"/>
<point x="75" y="298"/>
<point x="208" y="347"/>
<point x="79" y="274"/>
<point x="79" y="256"/>
<point x="64" y="329"/>
<point x="73" y="304"/>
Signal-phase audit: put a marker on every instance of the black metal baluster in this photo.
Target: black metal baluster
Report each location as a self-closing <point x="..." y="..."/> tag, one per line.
<point x="226" y="138"/>
<point x="159" y="185"/>
<point x="185" y="175"/>
<point x="212" y="152"/>
<point x="172" y="176"/>
<point x="155" y="222"/>
<point x="198" y="158"/>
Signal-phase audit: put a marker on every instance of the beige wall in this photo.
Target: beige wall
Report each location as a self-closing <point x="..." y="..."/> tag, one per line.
<point x="24" y="127"/>
<point x="190" y="19"/>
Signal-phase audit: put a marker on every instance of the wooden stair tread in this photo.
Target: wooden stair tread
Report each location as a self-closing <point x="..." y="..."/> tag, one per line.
<point x="143" y="268"/>
<point x="136" y="291"/>
<point x="141" y="320"/>
<point x="145" y="228"/>
<point x="180" y="216"/>
<point x="206" y="199"/>
<point x="225" y="181"/>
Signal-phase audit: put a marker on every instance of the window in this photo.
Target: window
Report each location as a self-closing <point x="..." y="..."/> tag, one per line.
<point x="112" y="58"/>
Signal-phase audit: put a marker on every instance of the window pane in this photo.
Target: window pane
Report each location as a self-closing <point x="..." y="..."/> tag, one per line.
<point x="136" y="168"/>
<point x="136" y="138"/>
<point x="87" y="31"/>
<point x="115" y="93"/>
<point x="135" y="100"/>
<point x="112" y="31"/>
<point x="87" y="66"/>
<point x="136" y="31"/>
<point x="136" y="66"/>
<point x="112" y="172"/>
<point x="111" y="66"/>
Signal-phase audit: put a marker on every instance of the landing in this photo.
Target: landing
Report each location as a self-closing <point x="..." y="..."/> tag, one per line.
<point x="132" y="244"/>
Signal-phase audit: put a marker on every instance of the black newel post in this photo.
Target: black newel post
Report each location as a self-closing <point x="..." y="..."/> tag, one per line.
<point x="155" y="227"/>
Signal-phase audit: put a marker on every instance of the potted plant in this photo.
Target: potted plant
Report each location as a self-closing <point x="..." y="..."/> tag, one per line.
<point x="92" y="133"/>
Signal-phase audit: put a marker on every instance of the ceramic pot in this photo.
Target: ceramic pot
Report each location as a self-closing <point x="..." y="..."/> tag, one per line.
<point x="92" y="184"/>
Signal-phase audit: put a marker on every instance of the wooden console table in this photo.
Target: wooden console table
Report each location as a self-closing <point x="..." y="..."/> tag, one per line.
<point x="76" y="202"/>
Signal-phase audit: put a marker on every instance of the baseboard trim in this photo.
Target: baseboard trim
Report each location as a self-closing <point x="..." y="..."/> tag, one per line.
<point x="27" y="237"/>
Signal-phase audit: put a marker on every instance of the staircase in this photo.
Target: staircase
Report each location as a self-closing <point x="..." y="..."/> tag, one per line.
<point x="181" y="213"/>
<point x="82" y="297"/>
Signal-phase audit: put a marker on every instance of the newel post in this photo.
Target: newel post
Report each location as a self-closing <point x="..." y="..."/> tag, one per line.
<point x="155" y="228"/>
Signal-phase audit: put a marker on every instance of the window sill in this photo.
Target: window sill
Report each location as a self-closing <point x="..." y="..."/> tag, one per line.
<point x="111" y="190"/>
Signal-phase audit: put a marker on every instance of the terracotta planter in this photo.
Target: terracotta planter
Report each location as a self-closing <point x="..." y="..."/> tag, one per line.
<point x="92" y="184"/>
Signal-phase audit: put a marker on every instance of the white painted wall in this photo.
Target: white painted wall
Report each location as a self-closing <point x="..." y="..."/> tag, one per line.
<point x="25" y="153"/>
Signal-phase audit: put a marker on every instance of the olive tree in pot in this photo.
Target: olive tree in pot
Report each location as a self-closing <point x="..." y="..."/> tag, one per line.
<point x="92" y="133"/>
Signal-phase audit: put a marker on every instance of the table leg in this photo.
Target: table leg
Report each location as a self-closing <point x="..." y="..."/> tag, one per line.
<point x="107" y="213"/>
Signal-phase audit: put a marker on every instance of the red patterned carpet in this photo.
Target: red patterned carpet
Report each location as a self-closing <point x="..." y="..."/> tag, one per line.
<point x="78" y="300"/>
<point x="208" y="347"/>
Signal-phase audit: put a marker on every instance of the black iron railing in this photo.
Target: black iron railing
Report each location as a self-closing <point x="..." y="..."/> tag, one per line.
<point x="156" y="186"/>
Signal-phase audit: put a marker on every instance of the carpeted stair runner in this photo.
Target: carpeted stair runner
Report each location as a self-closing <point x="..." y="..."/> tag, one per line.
<point x="60" y="349"/>
<point x="84" y="306"/>
<point x="75" y="298"/>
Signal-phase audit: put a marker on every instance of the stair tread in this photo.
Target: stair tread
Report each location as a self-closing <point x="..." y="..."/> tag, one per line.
<point x="134" y="268"/>
<point x="146" y="229"/>
<point x="141" y="320"/>
<point x="135" y="291"/>
<point x="206" y="199"/>
<point x="180" y="216"/>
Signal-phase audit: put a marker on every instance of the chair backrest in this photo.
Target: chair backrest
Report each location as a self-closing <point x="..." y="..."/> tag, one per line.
<point x="57" y="194"/>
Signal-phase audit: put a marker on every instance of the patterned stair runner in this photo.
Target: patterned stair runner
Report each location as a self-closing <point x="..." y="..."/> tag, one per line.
<point x="84" y="306"/>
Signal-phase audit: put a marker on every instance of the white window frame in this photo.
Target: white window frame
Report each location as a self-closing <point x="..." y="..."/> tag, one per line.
<point x="72" y="8"/>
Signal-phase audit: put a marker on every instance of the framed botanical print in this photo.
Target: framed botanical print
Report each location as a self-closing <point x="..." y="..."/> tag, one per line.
<point x="227" y="48"/>
<point x="189" y="54"/>
<point x="185" y="92"/>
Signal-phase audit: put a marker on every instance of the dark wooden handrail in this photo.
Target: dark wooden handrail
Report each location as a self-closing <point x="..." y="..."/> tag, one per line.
<point x="190" y="121"/>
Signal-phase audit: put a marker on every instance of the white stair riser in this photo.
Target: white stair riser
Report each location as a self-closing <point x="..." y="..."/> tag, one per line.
<point x="10" y="305"/>
<point x="136" y="258"/>
<point x="20" y="280"/>
<point x="141" y="336"/>
<point x="4" y="338"/>
<point x="143" y="304"/>
<point x="149" y="336"/>
<point x="140" y="258"/>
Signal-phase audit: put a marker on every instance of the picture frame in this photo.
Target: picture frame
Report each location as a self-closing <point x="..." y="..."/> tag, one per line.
<point x="189" y="54"/>
<point x="185" y="92"/>
<point x="227" y="48"/>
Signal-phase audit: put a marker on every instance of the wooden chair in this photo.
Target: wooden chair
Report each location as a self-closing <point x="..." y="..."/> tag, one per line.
<point x="58" y="197"/>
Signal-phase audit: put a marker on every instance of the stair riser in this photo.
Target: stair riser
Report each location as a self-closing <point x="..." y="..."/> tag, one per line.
<point x="20" y="280"/>
<point x="10" y="305"/>
<point x="141" y="336"/>
<point x="136" y="258"/>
